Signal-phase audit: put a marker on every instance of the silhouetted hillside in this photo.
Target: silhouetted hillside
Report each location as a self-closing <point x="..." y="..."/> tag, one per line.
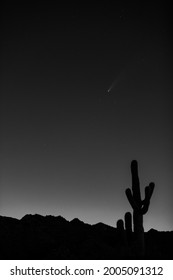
<point x="49" y="237"/>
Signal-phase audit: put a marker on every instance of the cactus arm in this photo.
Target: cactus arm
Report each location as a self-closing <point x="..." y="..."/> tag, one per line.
<point x="151" y="189"/>
<point x="148" y="192"/>
<point x="146" y="202"/>
<point x="132" y="200"/>
<point x="144" y="209"/>
<point x="135" y="182"/>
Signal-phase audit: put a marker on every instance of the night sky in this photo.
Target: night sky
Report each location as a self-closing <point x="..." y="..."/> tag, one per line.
<point x="66" y="143"/>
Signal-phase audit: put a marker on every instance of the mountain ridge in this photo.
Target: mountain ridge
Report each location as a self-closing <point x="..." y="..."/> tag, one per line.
<point x="53" y="237"/>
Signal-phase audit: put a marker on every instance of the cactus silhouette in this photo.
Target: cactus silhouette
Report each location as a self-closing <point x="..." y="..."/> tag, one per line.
<point x="128" y="227"/>
<point x="140" y="207"/>
<point x="125" y="235"/>
<point x="125" y="232"/>
<point x="121" y="232"/>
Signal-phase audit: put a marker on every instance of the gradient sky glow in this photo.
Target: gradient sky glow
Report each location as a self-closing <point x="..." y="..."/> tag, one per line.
<point x="66" y="143"/>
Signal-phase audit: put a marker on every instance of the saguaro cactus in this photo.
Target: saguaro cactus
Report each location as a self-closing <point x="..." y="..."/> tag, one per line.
<point x="125" y="235"/>
<point x="140" y="207"/>
<point x="128" y="227"/>
<point x="121" y="232"/>
<point x="125" y="231"/>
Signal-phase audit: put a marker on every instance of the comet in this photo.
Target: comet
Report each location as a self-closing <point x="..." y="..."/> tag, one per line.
<point x="113" y="85"/>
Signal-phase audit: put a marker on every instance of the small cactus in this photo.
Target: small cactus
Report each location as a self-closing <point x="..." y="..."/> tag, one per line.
<point x="121" y="232"/>
<point x="140" y="207"/>
<point x="125" y="235"/>
<point x="128" y="227"/>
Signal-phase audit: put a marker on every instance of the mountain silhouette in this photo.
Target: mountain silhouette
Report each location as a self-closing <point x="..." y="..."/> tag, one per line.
<point x="50" y="237"/>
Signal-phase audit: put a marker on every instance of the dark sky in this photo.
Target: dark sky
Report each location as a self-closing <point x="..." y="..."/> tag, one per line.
<point x="66" y="143"/>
